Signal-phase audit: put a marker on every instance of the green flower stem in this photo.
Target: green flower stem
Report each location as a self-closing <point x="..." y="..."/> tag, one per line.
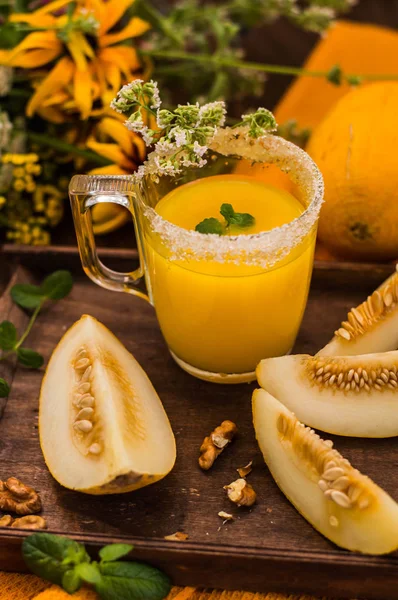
<point x="240" y="64"/>
<point x="27" y="331"/>
<point x="149" y="13"/>
<point x="33" y="318"/>
<point x="45" y="140"/>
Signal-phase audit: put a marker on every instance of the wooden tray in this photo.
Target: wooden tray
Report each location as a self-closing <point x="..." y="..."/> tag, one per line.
<point x="267" y="548"/>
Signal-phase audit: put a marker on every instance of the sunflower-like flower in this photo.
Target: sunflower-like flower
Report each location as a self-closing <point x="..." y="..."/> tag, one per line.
<point x="83" y="45"/>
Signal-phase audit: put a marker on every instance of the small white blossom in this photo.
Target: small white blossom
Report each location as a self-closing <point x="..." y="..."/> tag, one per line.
<point x="179" y="135"/>
<point x="198" y="149"/>
<point x="156" y="102"/>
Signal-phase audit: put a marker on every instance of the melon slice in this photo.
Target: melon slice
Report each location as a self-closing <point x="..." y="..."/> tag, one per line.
<point x="103" y="429"/>
<point x="370" y="327"/>
<point x="345" y="506"/>
<point x="350" y="395"/>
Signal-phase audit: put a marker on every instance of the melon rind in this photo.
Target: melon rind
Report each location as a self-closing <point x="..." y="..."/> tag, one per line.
<point x="138" y="445"/>
<point x="356" y="412"/>
<point x="370" y="530"/>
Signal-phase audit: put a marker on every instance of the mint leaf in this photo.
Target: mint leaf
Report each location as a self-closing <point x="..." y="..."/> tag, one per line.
<point x="241" y="220"/>
<point x="71" y="582"/>
<point x="8" y="335"/>
<point x="29" y="358"/>
<point x="114" y="551"/>
<point x="131" y="581"/>
<point x="210" y="225"/>
<point x="44" y="554"/>
<point x="89" y="572"/>
<point x="4" y="388"/>
<point x="26" y="295"/>
<point x="57" y="285"/>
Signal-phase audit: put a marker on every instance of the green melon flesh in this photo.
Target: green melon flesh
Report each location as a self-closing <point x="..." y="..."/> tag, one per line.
<point x="129" y="443"/>
<point x="356" y="412"/>
<point x="296" y="460"/>
<point x="370" y="327"/>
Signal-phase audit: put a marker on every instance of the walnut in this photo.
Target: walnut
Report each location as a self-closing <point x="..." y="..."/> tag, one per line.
<point x="6" y="521"/>
<point x="245" y="471"/>
<point x="241" y="493"/>
<point x="30" y="522"/>
<point x="215" y="443"/>
<point x="226" y="516"/>
<point x="178" y="536"/>
<point x="19" y="498"/>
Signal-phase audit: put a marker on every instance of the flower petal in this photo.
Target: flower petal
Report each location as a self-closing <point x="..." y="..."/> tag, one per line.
<point x="118" y="132"/>
<point x="82" y="92"/>
<point x="114" y="9"/>
<point x="113" y="76"/>
<point x="111" y="151"/>
<point x="57" y="78"/>
<point x="109" y="170"/>
<point x="134" y="28"/>
<point x="125" y="58"/>
<point x="34" y="58"/>
<point x="34" y="19"/>
<point x="52" y="6"/>
<point x="38" y="40"/>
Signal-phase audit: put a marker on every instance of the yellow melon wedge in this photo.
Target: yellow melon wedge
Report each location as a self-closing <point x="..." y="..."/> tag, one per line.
<point x="345" y="506"/>
<point x="348" y="395"/>
<point x="370" y="327"/>
<point x="103" y="429"/>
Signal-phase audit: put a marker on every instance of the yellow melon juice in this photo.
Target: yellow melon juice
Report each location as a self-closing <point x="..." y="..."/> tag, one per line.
<point x="223" y="314"/>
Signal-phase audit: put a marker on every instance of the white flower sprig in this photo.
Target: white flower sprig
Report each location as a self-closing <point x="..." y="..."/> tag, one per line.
<point x="183" y="135"/>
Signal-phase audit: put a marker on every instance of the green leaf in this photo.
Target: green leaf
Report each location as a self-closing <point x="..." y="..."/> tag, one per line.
<point x="210" y="225"/>
<point x="44" y="554"/>
<point x="30" y="358"/>
<point x="71" y="582"/>
<point x="131" y="581"/>
<point x="8" y="335"/>
<point x="57" y="285"/>
<point x="89" y="572"/>
<point x="335" y="75"/>
<point x="114" y="551"/>
<point x="4" y="388"/>
<point x="241" y="220"/>
<point x="26" y="295"/>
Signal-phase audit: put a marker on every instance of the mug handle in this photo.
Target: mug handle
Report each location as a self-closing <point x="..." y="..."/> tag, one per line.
<point x="86" y="191"/>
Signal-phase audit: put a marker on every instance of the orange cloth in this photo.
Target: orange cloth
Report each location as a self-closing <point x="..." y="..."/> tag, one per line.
<point x="28" y="587"/>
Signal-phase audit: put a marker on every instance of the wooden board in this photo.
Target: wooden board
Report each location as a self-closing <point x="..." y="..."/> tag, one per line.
<point x="267" y="548"/>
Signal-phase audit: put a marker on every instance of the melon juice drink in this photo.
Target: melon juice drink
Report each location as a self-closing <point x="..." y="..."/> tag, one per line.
<point x="224" y="300"/>
<point x="224" y="317"/>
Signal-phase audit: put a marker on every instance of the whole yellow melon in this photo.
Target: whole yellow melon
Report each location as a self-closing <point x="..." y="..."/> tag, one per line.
<point x="356" y="148"/>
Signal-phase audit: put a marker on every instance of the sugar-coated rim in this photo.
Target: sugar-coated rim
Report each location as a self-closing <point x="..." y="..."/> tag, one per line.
<point x="258" y="249"/>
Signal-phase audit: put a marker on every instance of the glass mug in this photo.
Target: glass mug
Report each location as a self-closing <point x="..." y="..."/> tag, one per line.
<point x="223" y="303"/>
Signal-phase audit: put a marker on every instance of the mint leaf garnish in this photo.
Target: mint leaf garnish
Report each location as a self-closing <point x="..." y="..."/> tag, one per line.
<point x="57" y="285"/>
<point x="26" y="295"/>
<point x="29" y="358"/>
<point x="54" y="287"/>
<point x="211" y="225"/>
<point x="232" y="218"/>
<point x="241" y="220"/>
<point x="132" y="581"/>
<point x="114" y="551"/>
<point x="67" y="563"/>
<point x="8" y="335"/>
<point x="44" y="554"/>
<point x="4" y="388"/>
<point x="71" y="581"/>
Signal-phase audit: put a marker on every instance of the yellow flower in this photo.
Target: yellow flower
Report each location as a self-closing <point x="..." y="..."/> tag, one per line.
<point x="92" y="61"/>
<point x="110" y="138"/>
<point x="18" y="185"/>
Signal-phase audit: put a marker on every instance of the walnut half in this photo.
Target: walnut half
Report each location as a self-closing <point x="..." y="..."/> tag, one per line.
<point x="19" y="498"/>
<point x="30" y="522"/>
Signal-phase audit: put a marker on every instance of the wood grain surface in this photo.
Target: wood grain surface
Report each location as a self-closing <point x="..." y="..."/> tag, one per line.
<point x="269" y="547"/>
